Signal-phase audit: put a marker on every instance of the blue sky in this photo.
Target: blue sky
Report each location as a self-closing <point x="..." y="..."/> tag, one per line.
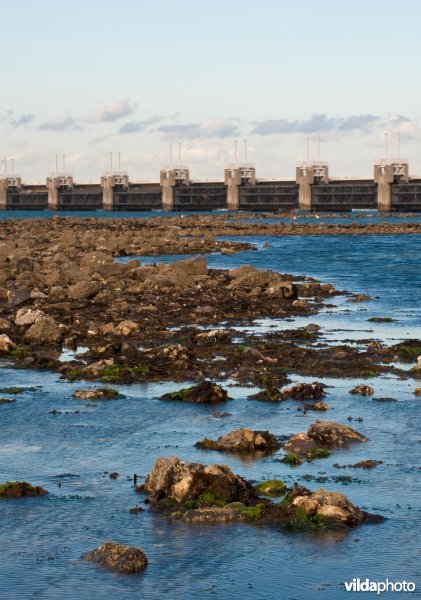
<point x="87" y="78"/>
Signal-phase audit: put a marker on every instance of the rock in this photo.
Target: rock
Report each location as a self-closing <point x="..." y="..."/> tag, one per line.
<point x="97" y="394"/>
<point x="385" y="399"/>
<point x="135" y="509"/>
<point x="126" y="328"/>
<point x="20" y="489"/>
<point x="334" y="506"/>
<point x="360" y="298"/>
<point x="6" y="344"/>
<point x="7" y="401"/>
<point x="214" y="335"/>
<point x="28" y="316"/>
<point x="204" y="393"/>
<point x="45" y="330"/>
<point x="317" y="406"/>
<point x="172" y="478"/>
<point x="83" y="290"/>
<point x="362" y="390"/>
<point x="417" y="391"/>
<point x="329" y="433"/>
<point x="309" y="505"/>
<point x="113" y="475"/>
<point x="242" y="440"/>
<point x="119" y="558"/>
<point x="300" y="444"/>
<point x="5" y="324"/>
<point x="95" y="368"/>
<point x="305" y="391"/>
<point x="24" y="264"/>
<point x="211" y="516"/>
<point x="418" y="365"/>
<point x="16" y="297"/>
<point x="221" y="415"/>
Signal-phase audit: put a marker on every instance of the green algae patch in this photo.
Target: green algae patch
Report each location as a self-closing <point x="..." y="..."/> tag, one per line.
<point x="272" y="487"/>
<point x="319" y="453"/>
<point x="252" y="513"/>
<point x="20" y="489"/>
<point x="291" y="459"/>
<point x="206" y="500"/>
<point x="14" y="391"/>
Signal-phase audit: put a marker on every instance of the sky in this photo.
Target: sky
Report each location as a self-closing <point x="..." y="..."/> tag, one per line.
<point x="88" y="78"/>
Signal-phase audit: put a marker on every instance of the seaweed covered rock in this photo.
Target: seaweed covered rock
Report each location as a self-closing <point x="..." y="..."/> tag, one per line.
<point x="204" y="393"/>
<point x="20" y="489"/>
<point x="305" y="391"/>
<point x="119" y="558"/>
<point x="175" y="480"/>
<point x="242" y="441"/>
<point x="98" y="394"/>
<point x="330" y="508"/>
<point x="329" y="433"/>
<point x="362" y="390"/>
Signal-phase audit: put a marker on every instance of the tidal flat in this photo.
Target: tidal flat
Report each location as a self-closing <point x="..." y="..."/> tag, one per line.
<point x="141" y="308"/>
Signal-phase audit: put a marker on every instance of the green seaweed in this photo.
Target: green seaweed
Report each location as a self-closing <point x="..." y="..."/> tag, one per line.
<point x="271" y="487"/>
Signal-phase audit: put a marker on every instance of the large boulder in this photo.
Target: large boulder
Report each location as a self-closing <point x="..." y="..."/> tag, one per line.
<point x="45" y="330"/>
<point x="242" y="441"/>
<point x="182" y="273"/>
<point x="119" y="558"/>
<point x="300" y="444"/>
<point x="176" y="480"/>
<point x="329" y="433"/>
<point x="330" y="508"/>
<point x="204" y="393"/>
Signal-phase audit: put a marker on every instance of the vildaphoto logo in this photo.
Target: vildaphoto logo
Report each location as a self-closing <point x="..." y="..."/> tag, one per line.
<point x="366" y="585"/>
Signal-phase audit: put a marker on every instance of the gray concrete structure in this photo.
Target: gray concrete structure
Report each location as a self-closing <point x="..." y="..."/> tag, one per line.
<point x="306" y="174"/>
<point x="110" y="181"/>
<point x="386" y="173"/>
<point x="55" y="182"/>
<point x="169" y="178"/>
<point x="8" y="183"/>
<point x="237" y="175"/>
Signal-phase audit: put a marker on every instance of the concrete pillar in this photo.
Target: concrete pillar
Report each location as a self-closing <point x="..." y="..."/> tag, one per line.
<point x="3" y="194"/>
<point x="108" y="182"/>
<point x="385" y="175"/>
<point x="54" y="182"/>
<point x="168" y="179"/>
<point x="234" y="177"/>
<point x="304" y="176"/>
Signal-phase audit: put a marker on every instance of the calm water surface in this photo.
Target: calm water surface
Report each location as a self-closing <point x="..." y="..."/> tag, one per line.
<point x="42" y="539"/>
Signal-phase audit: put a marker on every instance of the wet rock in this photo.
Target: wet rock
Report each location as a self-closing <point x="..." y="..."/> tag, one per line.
<point x="135" y="509"/>
<point x="362" y="390"/>
<point x="269" y="394"/>
<point x="300" y="444"/>
<point x="113" y="475"/>
<point x="7" y="401"/>
<point x="5" y="324"/>
<point x="95" y="368"/>
<point x="16" y="297"/>
<point x="119" y="558"/>
<point x="221" y="415"/>
<point x="329" y="433"/>
<point x="322" y="406"/>
<point x="363" y="464"/>
<point x="360" y="298"/>
<point x="242" y="441"/>
<point x="6" y="344"/>
<point x="211" y="516"/>
<point x="83" y="290"/>
<point x="417" y="391"/>
<point x="385" y="399"/>
<point x="98" y="394"/>
<point x="305" y="391"/>
<point x="333" y="507"/>
<point x="172" y="478"/>
<point x="20" y="489"/>
<point x="28" y="316"/>
<point x="45" y="330"/>
<point x="204" y="393"/>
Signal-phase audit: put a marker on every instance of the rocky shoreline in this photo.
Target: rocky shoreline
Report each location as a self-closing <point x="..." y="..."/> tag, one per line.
<point x="61" y="288"/>
<point x="62" y="291"/>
